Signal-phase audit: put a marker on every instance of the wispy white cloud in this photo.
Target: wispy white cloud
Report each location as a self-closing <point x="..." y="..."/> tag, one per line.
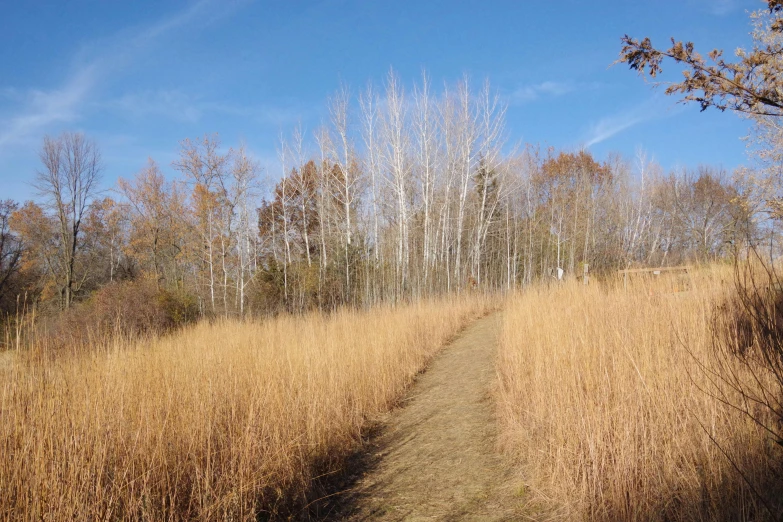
<point x="113" y="53"/>
<point x="43" y="108"/>
<point x="177" y="105"/>
<point x="282" y="115"/>
<point x="9" y="93"/>
<point x="529" y="93"/>
<point x="607" y="127"/>
<point x="717" y="7"/>
<point x="549" y="89"/>
<point x="172" y="104"/>
<point x="614" y="124"/>
<point x="722" y="7"/>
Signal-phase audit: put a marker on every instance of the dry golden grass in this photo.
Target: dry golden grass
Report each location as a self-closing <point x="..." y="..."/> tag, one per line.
<point x="604" y="406"/>
<point x="227" y="421"/>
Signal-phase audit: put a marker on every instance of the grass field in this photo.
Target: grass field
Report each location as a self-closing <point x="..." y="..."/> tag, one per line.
<point x="224" y="421"/>
<point x="604" y="403"/>
<point x="604" y="399"/>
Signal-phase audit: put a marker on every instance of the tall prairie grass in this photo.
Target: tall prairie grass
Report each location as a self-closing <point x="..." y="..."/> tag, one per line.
<point x="225" y="421"/>
<point x="607" y="403"/>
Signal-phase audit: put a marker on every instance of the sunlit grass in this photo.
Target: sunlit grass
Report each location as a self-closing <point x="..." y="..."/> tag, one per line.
<point x="217" y="422"/>
<point x="603" y="404"/>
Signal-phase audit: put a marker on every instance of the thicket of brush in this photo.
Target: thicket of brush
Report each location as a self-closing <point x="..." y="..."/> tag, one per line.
<point x="126" y="309"/>
<point x="223" y="421"/>
<point x="633" y="404"/>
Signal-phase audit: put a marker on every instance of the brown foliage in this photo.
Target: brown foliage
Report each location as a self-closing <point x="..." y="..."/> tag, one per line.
<point x="157" y="229"/>
<point x="127" y="309"/>
<point x="749" y="85"/>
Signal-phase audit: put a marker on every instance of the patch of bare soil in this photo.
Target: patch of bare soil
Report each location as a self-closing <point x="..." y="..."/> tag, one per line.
<point x="435" y="457"/>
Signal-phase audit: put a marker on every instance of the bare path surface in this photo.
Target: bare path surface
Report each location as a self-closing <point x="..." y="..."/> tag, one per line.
<point x="435" y="458"/>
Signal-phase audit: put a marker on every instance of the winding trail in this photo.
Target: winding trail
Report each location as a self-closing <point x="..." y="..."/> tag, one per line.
<point x="435" y="457"/>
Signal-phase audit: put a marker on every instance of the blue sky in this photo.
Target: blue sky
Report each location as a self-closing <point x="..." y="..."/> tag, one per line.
<point x="140" y="76"/>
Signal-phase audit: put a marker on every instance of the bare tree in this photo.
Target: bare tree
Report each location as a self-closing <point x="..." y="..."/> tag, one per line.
<point x="202" y="162"/>
<point x="324" y="201"/>
<point x="369" y="106"/>
<point x="244" y="171"/>
<point x="10" y="248"/>
<point x="68" y="182"/>
<point x="398" y="166"/>
<point x="284" y="198"/>
<point x="449" y="130"/>
<point x="466" y="159"/>
<point x="490" y="117"/>
<point x="427" y="148"/>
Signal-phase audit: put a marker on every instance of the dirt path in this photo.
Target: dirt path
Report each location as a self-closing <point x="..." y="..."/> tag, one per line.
<point x="435" y="457"/>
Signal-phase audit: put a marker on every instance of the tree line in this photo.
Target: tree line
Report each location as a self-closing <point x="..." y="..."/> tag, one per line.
<point x="402" y="194"/>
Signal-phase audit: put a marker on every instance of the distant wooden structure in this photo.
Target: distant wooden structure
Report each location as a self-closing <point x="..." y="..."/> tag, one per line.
<point x="652" y="271"/>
